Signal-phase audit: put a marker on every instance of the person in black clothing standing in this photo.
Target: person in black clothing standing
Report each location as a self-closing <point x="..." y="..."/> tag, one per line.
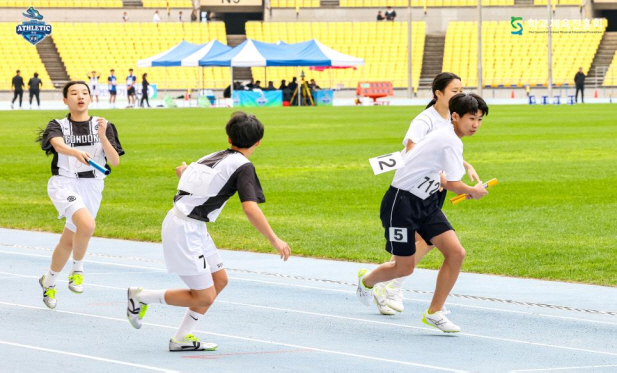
<point x="390" y="14"/>
<point x="34" y="86"/>
<point x="17" y="86"/>
<point x="144" y="90"/>
<point x="380" y="16"/>
<point x="579" y="80"/>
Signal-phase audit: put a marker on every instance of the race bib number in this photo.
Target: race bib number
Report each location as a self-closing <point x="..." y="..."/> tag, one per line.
<point x="196" y="179"/>
<point x="201" y="262"/>
<point x="426" y="186"/>
<point x="385" y="163"/>
<point x="398" y="234"/>
<point x="97" y="154"/>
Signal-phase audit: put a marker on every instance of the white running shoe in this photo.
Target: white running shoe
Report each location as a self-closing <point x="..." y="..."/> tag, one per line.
<point x="136" y="310"/>
<point x="394" y="298"/>
<point x="49" y="294"/>
<point x="379" y="298"/>
<point x="190" y="343"/>
<point x="76" y="280"/>
<point x="364" y="294"/>
<point x="440" y="321"/>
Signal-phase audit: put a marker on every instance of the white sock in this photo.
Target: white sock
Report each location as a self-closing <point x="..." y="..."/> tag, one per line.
<point x="78" y="266"/>
<point x="397" y="283"/>
<point x="188" y="324"/>
<point x="50" y="278"/>
<point x="152" y="296"/>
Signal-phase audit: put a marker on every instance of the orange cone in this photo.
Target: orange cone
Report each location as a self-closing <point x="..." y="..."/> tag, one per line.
<point x="512" y="95"/>
<point x="595" y="95"/>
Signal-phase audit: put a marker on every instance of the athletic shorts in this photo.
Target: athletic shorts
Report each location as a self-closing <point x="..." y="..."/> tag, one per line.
<point x="187" y="247"/>
<point x="112" y="93"/>
<point x="131" y="91"/>
<point x="71" y="194"/>
<point x="442" y="197"/>
<point x="403" y="214"/>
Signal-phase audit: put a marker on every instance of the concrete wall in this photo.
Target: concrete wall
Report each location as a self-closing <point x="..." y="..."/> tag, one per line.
<point x="437" y="19"/>
<point x="93" y="15"/>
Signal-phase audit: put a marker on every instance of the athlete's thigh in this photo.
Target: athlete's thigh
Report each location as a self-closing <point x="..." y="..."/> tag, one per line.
<point x="447" y="242"/>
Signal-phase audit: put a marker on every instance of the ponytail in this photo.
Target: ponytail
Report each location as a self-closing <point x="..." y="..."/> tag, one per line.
<point x="432" y="103"/>
<point x="441" y="81"/>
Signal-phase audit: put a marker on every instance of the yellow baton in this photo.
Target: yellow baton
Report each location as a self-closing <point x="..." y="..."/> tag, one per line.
<point x="462" y="197"/>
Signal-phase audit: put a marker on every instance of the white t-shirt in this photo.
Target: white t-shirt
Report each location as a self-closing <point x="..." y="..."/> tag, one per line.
<point x="156" y="18"/>
<point x="426" y="122"/>
<point x="440" y="150"/>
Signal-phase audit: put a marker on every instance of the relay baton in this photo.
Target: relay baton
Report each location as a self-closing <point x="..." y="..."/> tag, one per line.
<point x="462" y="197"/>
<point x="99" y="167"/>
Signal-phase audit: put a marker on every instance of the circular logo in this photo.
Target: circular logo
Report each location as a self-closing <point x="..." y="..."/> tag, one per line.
<point x="96" y="128"/>
<point x="71" y="198"/>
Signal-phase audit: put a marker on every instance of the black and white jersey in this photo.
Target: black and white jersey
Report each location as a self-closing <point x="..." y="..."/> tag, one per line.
<point x="206" y="185"/>
<point x="83" y="136"/>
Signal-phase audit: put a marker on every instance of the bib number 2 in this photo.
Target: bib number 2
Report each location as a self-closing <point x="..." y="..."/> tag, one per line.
<point x="385" y="163"/>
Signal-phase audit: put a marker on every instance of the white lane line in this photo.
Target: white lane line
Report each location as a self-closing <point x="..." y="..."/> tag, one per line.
<point x="564" y="368"/>
<point x="155" y="270"/>
<point x="341" y="353"/>
<point x="90" y="357"/>
<point x="378" y="322"/>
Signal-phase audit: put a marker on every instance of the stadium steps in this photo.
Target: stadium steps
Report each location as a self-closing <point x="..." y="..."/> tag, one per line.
<point x="53" y="63"/>
<point x="239" y="73"/>
<point x="132" y="4"/>
<point x="602" y="59"/>
<point x="433" y="58"/>
<point x="329" y="3"/>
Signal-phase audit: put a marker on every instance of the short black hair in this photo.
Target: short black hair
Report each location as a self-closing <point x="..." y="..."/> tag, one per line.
<point x="17" y="72"/>
<point x="36" y="75"/>
<point x="130" y="69"/>
<point x="244" y="130"/>
<point x="467" y="103"/>
<point x="65" y="89"/>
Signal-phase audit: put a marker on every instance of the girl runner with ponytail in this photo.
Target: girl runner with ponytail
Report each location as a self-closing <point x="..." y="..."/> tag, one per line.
<point x="389" y="296"/>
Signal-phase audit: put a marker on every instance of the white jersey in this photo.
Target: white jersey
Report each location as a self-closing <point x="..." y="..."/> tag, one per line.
<point x="440" y="150"/>
<point x="206" y="185"/>
<point x="94" y="82"/>
<point x="426" y="122"/>
<point x="83" y="136"/>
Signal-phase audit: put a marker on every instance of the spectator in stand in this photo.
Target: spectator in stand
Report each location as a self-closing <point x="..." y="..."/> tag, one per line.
<point x="156" y="18"/>
<point x="125" y="17"/>
<point x="579" y="81"/>
<point x="144" y="90"/>
<point x="390" y="14"/>
<point x="194" y="15"/>
<point x="313" y="85"/>
<point x="180" y="17"/>
<point x="17" y="86"/>
<point x="380" y="16"/>
<point x="34" y="86"/>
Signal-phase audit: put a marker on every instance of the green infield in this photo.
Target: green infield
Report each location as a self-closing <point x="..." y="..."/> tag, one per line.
<point x="552" y="216"/>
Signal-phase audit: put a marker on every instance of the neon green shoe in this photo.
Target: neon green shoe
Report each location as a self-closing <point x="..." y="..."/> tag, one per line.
<point x="76" y="280"/>
<point x="136" y="310"/>
<point x="49" y="294"/>
<point x="364" y="294"/>
<point x="440" y="321"/>
<point x="190" y="343"/>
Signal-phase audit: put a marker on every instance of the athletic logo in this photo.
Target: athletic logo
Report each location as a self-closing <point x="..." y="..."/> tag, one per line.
<point x="34" y="30"/>
<point x="220" y="265"/>
<point x="193" y="317"/>
<point x="71" y="198"/>
<point x="517" y="25"/>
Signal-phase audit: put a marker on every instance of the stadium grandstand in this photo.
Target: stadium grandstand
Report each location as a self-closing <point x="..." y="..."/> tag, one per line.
<point x="444" y="38"/>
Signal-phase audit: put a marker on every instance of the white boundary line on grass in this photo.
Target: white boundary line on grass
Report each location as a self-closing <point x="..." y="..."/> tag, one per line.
<point x="242" y="338"/>
<point x="564" y="368"/>
<point x="87" y="357"/>
<point x="373" y="322"/>
<point x="154" y="270"/>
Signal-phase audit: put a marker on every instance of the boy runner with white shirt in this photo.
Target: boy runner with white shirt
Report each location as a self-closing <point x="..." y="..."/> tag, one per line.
<point x="389" y="296"/>
<point x="411" y="206"/>
<point x="203" y="191"/>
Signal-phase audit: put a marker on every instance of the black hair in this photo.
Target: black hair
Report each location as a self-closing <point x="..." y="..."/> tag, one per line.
<point x="440" y="83"/>
<point x="144" y="76"/>
<point x="244" y="130"/>
<point x="65" y="89"/>
<point x="36" y="75"/>
<point x="17" y="72"/>
<point x="467" y="103"/>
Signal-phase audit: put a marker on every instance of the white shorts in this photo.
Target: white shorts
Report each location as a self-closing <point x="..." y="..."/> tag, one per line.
<point x="187" y="246"/>
<point x="71" y="194"/>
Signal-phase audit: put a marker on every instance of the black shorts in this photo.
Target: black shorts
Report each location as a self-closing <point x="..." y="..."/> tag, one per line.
<point x="442" y="198"/>
<point x="403" y="214"/>
<point x="112" y="93"/>
<point x="131" y="91"/>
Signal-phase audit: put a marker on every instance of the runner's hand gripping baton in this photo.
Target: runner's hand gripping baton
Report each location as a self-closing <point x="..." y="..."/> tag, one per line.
<point x="462" y="197"/>
<point x="99" y="167"/>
